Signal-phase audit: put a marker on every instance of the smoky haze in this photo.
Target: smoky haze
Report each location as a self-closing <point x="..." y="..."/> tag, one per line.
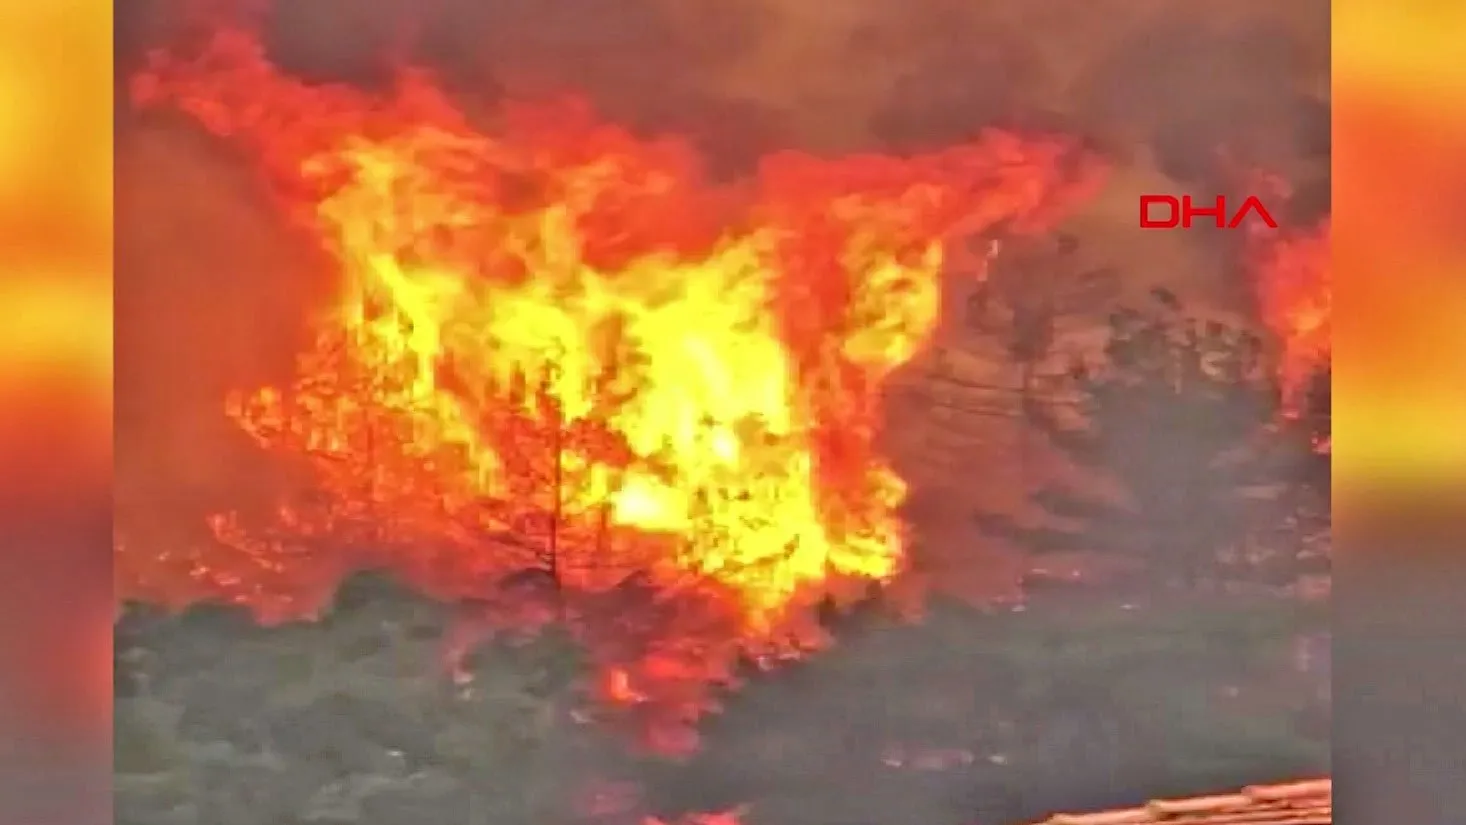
<point x="859" y="75"/>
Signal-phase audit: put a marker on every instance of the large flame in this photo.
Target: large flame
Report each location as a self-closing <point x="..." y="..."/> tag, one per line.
<point x="1295" y="299"/>
<point x="557" y="347"/>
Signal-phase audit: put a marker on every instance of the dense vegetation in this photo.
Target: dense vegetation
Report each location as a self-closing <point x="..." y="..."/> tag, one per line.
<point x="352" y="719"/>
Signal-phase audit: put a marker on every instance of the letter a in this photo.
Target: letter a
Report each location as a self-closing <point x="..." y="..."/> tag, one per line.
<point x="1253" y="203"/>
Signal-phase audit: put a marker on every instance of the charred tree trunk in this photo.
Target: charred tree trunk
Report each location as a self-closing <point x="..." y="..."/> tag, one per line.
<point x="557" y="494"/>
<point x="1033" y="336"/>
<point x="603" y="532"/>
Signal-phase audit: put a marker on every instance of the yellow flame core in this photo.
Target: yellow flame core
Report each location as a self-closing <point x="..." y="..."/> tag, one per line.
<point x="563" y="340"/>
<point x="681" y="361"/>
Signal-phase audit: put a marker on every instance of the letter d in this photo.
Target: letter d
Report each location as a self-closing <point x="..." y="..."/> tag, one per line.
<point x="1173" y="217"/>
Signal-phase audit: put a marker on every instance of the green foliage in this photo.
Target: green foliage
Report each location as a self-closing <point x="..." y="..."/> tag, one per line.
<point x="1188" y="697"/>
<point x="350" y="719"/>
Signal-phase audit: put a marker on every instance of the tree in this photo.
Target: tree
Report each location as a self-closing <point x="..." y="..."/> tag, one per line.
<point x="1171" y="416"/>
<point x="1031" y="285"/>
<point x="1301" y="460"/>
<point x="344" y="719"/>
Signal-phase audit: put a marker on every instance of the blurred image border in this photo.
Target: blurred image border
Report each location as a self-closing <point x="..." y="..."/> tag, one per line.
<point x="55" y="411"/>
<point x="1399" y="402"/>
<point x="1399" y="447"/>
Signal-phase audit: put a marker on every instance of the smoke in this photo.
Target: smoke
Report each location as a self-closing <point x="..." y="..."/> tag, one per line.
<point x="212" y="294"/>
<point x="854" y="75"/>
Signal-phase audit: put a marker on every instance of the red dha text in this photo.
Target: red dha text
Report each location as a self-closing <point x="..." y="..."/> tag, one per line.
<point x="1170" y="212"/>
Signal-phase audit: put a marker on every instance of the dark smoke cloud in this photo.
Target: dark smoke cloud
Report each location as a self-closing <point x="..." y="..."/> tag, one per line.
<point x="1189" y="90"/>
<point x="866" y="74"/>
<point x="1182" y="82"/>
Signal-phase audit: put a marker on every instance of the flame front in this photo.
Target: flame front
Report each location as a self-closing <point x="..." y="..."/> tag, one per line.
<point x="1295" y="298"/>
<point x="560" y="336"/>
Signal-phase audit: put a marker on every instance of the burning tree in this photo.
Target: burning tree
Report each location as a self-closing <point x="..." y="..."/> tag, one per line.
<point x="1291" y="278"/>
<point x="572" y="381"/>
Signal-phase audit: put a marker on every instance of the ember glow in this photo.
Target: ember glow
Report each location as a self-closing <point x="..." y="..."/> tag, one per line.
<point x="555" y="340"/>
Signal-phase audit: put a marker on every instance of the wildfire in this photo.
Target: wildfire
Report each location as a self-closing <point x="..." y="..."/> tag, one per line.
<point x="1295" y="297"/>
<point x="558" y="348"/>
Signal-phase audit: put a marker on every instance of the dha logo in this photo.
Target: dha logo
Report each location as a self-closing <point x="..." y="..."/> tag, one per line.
<point x="1169" y="212"/>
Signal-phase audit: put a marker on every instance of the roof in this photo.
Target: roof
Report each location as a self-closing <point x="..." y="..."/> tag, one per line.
<point x="1295" y="803"/>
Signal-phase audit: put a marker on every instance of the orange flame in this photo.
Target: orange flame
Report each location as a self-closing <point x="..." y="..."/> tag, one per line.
<point x="731" y="817"/>
<point x="1295" y="299"/>
<point x="557" y="345"/>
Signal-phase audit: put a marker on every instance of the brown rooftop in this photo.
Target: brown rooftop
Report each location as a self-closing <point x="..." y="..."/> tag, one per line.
<point x="1296" y="803"/>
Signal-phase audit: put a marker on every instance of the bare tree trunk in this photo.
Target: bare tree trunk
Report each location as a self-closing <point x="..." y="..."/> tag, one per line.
<point x="1034" y="335"/>
<point x="557" y="484"/>
<point x="375" y="532"/>
<point x="554" y="566"/>
<point x="603" y="532"/>
<point x="1025" y="432"/>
